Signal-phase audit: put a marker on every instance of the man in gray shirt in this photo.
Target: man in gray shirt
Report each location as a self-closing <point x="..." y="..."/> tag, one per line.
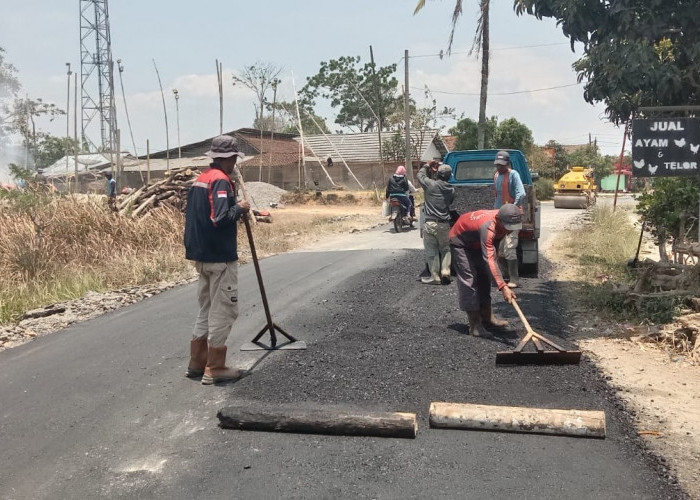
<point x="439" y="195"/>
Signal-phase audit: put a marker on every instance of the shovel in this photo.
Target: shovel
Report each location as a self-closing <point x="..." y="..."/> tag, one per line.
<point x="546" y="352"/>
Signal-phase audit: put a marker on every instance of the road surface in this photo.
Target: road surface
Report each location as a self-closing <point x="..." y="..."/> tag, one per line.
<point x="102" y="409"/>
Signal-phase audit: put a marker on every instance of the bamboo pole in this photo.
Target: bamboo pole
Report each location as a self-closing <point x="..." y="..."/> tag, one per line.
<point x="301" y="131"/>
<point x="337" y="152"/>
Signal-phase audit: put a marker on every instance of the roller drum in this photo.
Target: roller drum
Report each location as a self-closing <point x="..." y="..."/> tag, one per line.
<point x="570" y="201"/>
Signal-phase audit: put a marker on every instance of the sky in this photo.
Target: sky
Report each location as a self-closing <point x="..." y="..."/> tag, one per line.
<point x="186" y="38"/>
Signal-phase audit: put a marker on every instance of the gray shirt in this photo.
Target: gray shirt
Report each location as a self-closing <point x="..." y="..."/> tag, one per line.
<point x="439" y="195"/>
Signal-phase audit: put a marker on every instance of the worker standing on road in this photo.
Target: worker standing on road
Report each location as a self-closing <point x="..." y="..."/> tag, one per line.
<point x="399" y="187"/>
<point x="473" y="241"/>
<point x="111" y="191"/>
<point x="508" y="188"/>
<point x="439" y="195"/>
<point x="211" y="242"/>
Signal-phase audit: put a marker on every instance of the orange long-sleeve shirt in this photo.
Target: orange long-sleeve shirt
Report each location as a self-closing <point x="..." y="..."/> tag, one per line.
<point x="480" y="229"/>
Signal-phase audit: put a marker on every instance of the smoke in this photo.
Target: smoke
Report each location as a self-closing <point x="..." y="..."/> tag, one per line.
<point x="10" y="153"/>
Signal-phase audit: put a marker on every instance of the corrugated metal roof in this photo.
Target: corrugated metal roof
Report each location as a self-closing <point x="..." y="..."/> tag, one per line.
<point x="161" y="165"/>
<point x="86" y="162"/>
<point x="360" y="148"/>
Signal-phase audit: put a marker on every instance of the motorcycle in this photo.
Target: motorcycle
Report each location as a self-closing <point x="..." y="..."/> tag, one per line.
<point x="398" y="215"/>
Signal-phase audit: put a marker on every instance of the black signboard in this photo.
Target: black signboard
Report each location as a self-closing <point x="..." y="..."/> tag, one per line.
<point x="666" y="147"/>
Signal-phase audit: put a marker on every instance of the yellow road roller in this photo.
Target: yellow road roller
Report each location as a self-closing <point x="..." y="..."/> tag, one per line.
<point x="575" y="189"/>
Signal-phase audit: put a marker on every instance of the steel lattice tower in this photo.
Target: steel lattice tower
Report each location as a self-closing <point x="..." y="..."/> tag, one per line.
<point x="96" y="82"/>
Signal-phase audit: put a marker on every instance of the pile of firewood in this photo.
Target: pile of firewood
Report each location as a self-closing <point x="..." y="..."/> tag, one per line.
<point x="171" y="191"/>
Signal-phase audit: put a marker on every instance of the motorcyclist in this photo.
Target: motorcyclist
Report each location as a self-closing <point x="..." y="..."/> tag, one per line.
<point x="399" y="187"/>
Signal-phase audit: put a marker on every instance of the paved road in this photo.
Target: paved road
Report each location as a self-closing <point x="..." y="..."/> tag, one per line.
<point x="102" y="409"/>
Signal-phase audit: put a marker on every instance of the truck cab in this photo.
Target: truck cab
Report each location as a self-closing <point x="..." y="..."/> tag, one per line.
<point x="472" y="176"/>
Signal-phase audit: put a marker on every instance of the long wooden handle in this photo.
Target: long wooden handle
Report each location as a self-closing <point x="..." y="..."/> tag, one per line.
<point x="522" y="316"/>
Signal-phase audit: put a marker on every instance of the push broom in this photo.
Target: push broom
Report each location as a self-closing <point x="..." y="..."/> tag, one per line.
<point x="546" y="352"/>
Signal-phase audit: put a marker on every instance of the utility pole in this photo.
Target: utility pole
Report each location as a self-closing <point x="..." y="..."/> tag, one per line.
<point x="409" y="163"/>
<point x="126" y="109"/>
<point x="380" y="112"/>
<point x="219" y="77"/>
<point x="75" y="128"/>
<point x="275" y="83"/>
<point x="69" y="73"/>
<point x="177" y="112"/>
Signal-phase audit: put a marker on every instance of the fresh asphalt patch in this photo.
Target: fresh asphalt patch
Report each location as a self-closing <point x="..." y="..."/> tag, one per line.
<point x="382" y="341"/>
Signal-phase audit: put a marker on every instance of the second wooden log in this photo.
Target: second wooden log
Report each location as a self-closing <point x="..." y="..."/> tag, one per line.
<point x="319" y="421"/>
<point x="581" y="423"/>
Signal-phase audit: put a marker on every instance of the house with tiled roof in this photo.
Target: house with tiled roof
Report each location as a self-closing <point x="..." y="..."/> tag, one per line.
<point x="354" y="160"/>
<point x="450" y="141"/>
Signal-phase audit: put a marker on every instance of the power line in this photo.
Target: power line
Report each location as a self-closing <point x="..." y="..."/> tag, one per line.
<point x="499" y="93"/>
<point x="442" y="54"/>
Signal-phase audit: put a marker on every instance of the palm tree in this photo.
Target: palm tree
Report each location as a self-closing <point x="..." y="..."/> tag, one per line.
<point x="479" y="45"/>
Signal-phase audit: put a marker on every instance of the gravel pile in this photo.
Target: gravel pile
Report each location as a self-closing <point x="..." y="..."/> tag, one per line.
<point x="262" y="194"/>
<point x="471" y="198"/>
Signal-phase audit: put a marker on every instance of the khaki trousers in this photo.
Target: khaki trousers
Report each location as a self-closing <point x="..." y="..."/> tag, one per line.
<point x="507" y="248"/>
<point x="218" y="301"/>
<point x="436" y="241"/>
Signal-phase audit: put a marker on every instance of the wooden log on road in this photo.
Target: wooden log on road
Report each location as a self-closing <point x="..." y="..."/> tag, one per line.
<point x="581" y="423"/>
<point x="318" y="421"/>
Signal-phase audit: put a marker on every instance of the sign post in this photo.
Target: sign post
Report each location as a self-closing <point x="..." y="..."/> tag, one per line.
<point x="666" y="147"/>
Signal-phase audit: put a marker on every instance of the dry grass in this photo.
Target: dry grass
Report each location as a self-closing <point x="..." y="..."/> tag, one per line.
<point x="605" y="243"/>
<point x="57" y="249"/>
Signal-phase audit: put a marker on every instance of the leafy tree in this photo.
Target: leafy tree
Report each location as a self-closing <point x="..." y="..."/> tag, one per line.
<point x="673" y="200"/>
<point x="365" y="93"/>
<point x="590" y="157"/>
<point x="23" y="118"/>
<point x="466" y="131"/>
<point x="9" y="84"/>
<point x="394" y="148"/>
<point x="559" y="159"/>
<point x="481" y="46"/>
<point x="636" y="52"/>
<point x="261" y="78"/>
<point x="51" y="149"/>
<point x="511" y="134"/>
<point x="311" y="123"/>
<point x="540" y="162"/>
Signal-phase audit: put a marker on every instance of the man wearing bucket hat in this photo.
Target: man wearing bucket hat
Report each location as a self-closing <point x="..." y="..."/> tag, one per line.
<point x="508" y="188"/>
<point x="473" y="241"/>
<point x="211" y="242"/>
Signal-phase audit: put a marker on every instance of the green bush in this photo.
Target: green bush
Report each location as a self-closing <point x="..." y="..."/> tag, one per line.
<point x="544" y="188"/>
<point x="606" y="298"/>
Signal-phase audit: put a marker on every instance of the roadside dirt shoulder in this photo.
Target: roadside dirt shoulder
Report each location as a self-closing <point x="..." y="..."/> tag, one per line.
<point x="658" y="386"/>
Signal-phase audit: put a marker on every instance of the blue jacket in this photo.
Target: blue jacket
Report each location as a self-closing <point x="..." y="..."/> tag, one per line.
<point x="210" y="218"/>
<point x="515" y="189"/>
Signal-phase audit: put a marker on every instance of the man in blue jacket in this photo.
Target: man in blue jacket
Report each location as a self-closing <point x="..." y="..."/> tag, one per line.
<point x="211" y="242"/>
<point x="508" y="188"/>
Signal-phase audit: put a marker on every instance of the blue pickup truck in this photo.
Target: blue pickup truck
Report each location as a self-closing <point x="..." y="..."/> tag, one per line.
<point x="472" y="177"/>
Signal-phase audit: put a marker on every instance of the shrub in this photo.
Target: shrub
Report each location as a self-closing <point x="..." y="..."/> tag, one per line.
<point x="544" y="188"/>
